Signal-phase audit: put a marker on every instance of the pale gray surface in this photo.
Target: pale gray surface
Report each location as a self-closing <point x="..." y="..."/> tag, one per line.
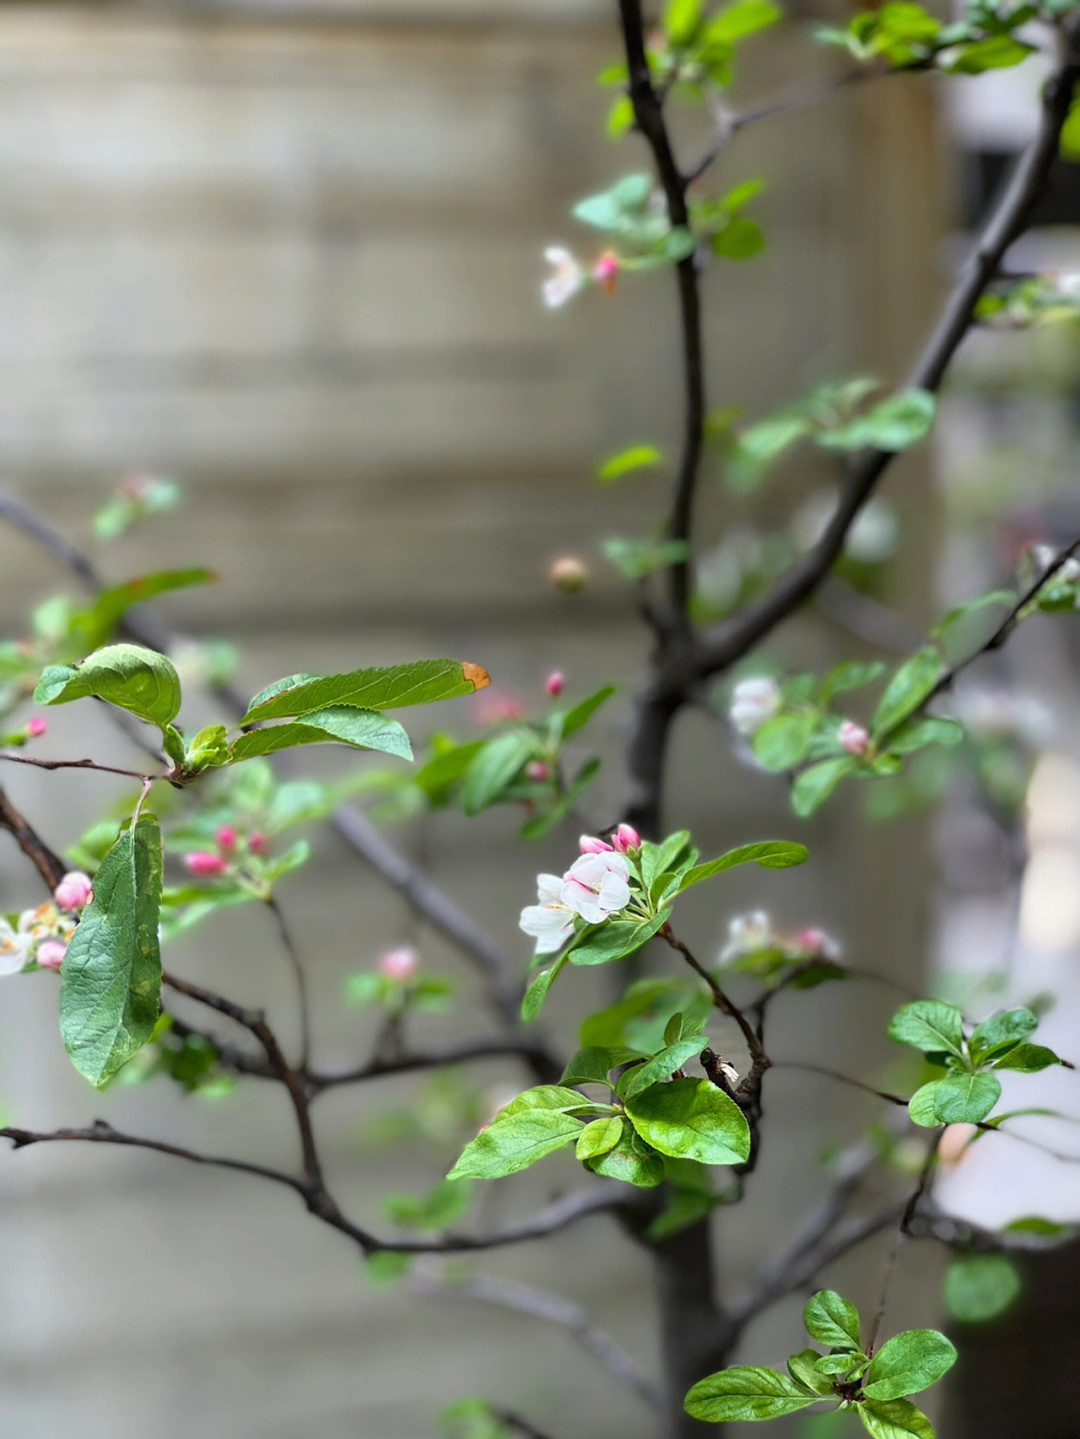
<point x="300" y="270"/>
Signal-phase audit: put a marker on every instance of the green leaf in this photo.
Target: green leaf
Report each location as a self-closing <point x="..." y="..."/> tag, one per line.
<point x="781" y="742"/>
<point x="907" y="1363"/>
<point x="929" y="1025"/>
<point x="1070" y="134"/>
<point x="511" y="1143"/>
<point x="740" y="239"/>
<point x="435" y="1210"/>
<point x="99" y="620"/>
<point x="996" y="1036"/>
<point x="832" y="1321"/>
<point x="620" y="117"/>
<point x="959" y="1098"/>
<point x="606" y="1027"/>
<point x="656" y="858"/>
<point x="815" y="784"/>
<point x="958" y="632"/>
<point x="661" y="1065"/>
<point x="979" y="1287"/>
<point x="615" y="939"/>
<point x="896" y="1419"/>
<point x="577" y="718"/>
<point x="682" y="20"/>
<point x="627" y="1163"/>
<point x="129" y="676"/>
<point x="636" y="558"/>
<point x="916" y="734"/>
<point x="626" y="462"/>
<point x="802" y="1370"/>
<point x="339" y="724"/>
<point x="594" y="1064"/>
<point x="746" y="1392"/>
<point x="598" y="1137"/>
<point x="849" y="675"/>
<point x="1044" y="1228"/>
<point x="371" y="689"/>
<point x="996" y="52"/>
<point x="770" y="854"/>
<point x="893" y="425"/>
<point x="691" y="1119"/>
<point x="110" y="985"/>
<point x="837" y="1364"/>
<point x="1028" y="1059"/>
<point x="740" y="19"/>
<point x="533" y="1000"/>
<point x="495" y="767"/>
<point x="544" y="1096"/>
<point x="909" y="687"/>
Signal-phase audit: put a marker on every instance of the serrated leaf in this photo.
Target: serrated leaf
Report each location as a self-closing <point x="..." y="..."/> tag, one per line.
<point x="110" y="982"/>
<point x="511" y="1143"/>
<point x="131" y="677"/>
<point x="770" y="854"/>
<point x="1028" y="1059"/>
<point x="655" y="858"/>
<point x="894" y="1419"/>
<point x="907" y="690"/>
<point x="594" y="1064"/>
<point x="388" y="687"/>
<point x="929" y="1025"/>
<point x="544" y="1096"/>
<point x="661" y="1065"/>
<point x="495" y="766"/>
<point x="979" y="1287"/>
<point x="533" y="999"/>
<point x="832" y="1321"/>
<point x="628" y="1163"/>
<point x="615" y="939"/>
<point x="959" y="1098"/>
<point x="598" y="1137"/>
<point x="802" y="1369"/>
<point x="781" y="742"/>
<point x="340" y="724"/>
<point x="907" y="1363"/>
<point x="691" y="1119"/>
<point x="746" y="1392"/>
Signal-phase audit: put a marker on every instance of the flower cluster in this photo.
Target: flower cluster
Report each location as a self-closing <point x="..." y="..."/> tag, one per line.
<point x="753" y="934"/>
<point x="40" y="936"/>
<point x="596" y="886"/>
<point x="230" y="846"/>
<point x="569" y="275"/>
<point x="753" y="702"/>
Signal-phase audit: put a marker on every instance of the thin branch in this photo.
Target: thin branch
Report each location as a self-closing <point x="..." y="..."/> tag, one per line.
<point x="903" y="1232"/>
<point x="78" y="764"/>
<point x="552" y="1309"/>
<point x="296" y="964"/>
<point x="757" y="1053"/>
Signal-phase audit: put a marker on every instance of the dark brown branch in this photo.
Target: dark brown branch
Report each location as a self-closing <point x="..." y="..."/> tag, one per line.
<point x="758" y="1056"/>
<point x="77" y="764"/>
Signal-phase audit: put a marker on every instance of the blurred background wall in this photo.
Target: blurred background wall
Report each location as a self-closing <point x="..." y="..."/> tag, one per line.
<point x="290" y="254"/>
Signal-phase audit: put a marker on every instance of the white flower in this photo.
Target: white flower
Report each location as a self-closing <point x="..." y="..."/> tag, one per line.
<point x="14" y="948"/>
<point x="854" y="740"/>
<point x="567" y="279"/>
<point x="597" y="885"/>
<point x="746" y="933"/>
<point x="754" y="701"/>
<point x="550" y="922"/>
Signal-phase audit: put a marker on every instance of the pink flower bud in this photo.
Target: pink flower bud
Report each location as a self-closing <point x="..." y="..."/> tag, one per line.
<point x="568" y="574"/>
<point x="73" y="891"/>
<point x="225" y="839"/>
<point x="626" y="838"/>
<point x="36" y="727"/>
<point x="258" y="842"/>
<point x="203" y="863"/>
<point x="50" y="953"/>
<point x="554" y="683"/>
<point x="589" y="844"/>
<point x="854" y="740"/>
<point x="606" y="270"/>
<point x="538" y="770"/>
<point x="399" y="964"/>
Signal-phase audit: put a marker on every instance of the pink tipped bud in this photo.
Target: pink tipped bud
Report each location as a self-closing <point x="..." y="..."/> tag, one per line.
<point x="74" y="891"/>
<point x="568" y="574"/>
<point x="204" y="864"/>
<point x="626" y="838"/>
<point x="399" y="964"/>
<point x="854" y="740"/>
<point x="589" y="844"/>
<point x="606" y="270"/>
<point x="226" y="838"/>
<point x="50" y="953"/>
<point x="554" y="683"/>
<point x="36" y="727"/>
<point x="538" y="770"/>
<point x="258" y="842"/>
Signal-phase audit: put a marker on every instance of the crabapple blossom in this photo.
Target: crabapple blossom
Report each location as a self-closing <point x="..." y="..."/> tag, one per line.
<point x="816" y="942"/>
<point x="36" y="727"/>
<point x="597" y="885"/>
<point x="204" y="863"/>
<point x="753" y="702"/>
<point x="554" y="683"/>
<point x="589" y="844"/>
<point x="551" y="922"/>
<point x="567" y="278"/>
<point x="746" y="933"/>
<point x="606" y="270"/>
<point x="74" y="891"/>
<point x="538" y="770"/>
<point x="626" y="838"/>
<point x="14" y="948"/>
<point x="226" y="838"/>
<point x="50" y="953"/>
<point x="258" y="842"/>
<point x="854" y="740"/>
<point x="399" y="964"/>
